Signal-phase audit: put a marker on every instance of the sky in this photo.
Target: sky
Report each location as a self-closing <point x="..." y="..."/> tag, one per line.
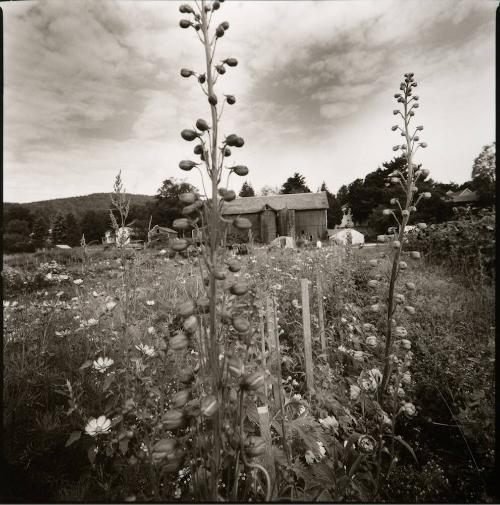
<point x="94" y="87"/>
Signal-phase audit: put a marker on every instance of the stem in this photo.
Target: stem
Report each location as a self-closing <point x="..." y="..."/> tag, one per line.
<point x="214" y="221"/>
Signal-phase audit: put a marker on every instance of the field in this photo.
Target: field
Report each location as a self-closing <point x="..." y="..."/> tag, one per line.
<point x="91" y="335"/>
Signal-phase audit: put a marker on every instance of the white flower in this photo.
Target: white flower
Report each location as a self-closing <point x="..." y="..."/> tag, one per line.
<point x="295" y="303"/>
<point x="163" y="251"/>
<point x="329" y="422"/>
<point x="295" y="383"/>
<point x="400" y="332"/>
<point x="406" y="344"/>
<point x="92" y="322"/>
<point x="78" y="282"/>
<point x="376" y="374"/>
<point x="341" y="348"/>
<point x="110" y="305"/>
<point x="409" y="409"/>
<point x="406" y="379"/>
<point x="297" y="398"/>
<point x="150" y="302"/>
<point x="151" y="330"/>
<point x="371" y="341"/>
<point x="366" y="444"/>
<point x="358" y="356"/>
<point x="354" y="392"/>
<point x="401" y="392"/>
<point x="302" y="409"/>
<point x="146" y="349"/>
<point x="311" y="457"/>
<point x="102" y="364"/>
<point x="96" y="427"/>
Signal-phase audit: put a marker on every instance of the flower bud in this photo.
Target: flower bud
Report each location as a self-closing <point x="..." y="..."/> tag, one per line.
<point x="410" y="309"/>
<point x="395" y="111"/>
<point x="406" y="378"/>
<point x="423" y="145"/>
<point x="219" y="32"/>
<point x="405" y="344"/>
<point x="405" y="213"/>
<point x="202" y="125"/>
<point x="231" y="100"/>
<point x="202" y="78"/>
<point x="241" y="324"/>
<point x="173" y="419"/>
<point x="400" y="332"/>
<point x="239" y="289"/>
<point x="399" y="298"/>
<point x="395" y="148"/>
<point x="186" y="309"/>
<point x="235" y="366"/>
<point x="208" y="406"/>
<point x="185" y="23"/>
<point x="411" y="286"/>
<point x="394" y="128"/>
<point x="426" y="195"/>
<point x="394" y="201"/>
<point x="372" y="283"/>
<point x="220" y="69"/>
<point x="408" y="409"/>
<point x="231" y="62"/>
<point x="191" y="324"/>
<point x="415" y="255"/>
<point x="212" y="100"/>
<point x="224" y="25"/>
<point x="240" y="170"/>
<point x="253" y="381"/>
<point x="186" y="375"/>
<point x="189" y="135"/>
<point x="396" y="244"/>
<point x="180" y="398"/>
<point x="179" y="245"/>
<point x="371" y="341"/>
<point x="387" y="212"/>
<point x="178" y="342"/>
<point x="242" y="223"/>
<point x="186" y="72"/>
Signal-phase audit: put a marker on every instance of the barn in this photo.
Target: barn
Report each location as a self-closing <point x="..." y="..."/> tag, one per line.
<point x="161" y="233"/>
<point x="300" y="214"/>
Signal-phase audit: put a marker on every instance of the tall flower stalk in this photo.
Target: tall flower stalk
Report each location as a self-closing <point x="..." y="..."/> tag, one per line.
<point x="407" y="180"/>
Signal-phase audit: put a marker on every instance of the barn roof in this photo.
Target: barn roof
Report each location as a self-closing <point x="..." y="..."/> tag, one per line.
<point x="297" y="201"/>
<point x="163" y="228"/>
<point x="464" y="195"/>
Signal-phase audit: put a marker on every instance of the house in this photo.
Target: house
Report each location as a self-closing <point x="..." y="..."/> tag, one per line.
<point x="461" y="197"/>
<point x="124" y="236"/>
<point x="162" y="233"/>
<point x="300" y="214"/>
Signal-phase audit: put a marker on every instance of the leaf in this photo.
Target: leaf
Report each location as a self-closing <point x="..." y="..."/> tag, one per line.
<point x="85" y="365"/>
<point x="107" y="382"/>
<point x="92" y="453"/>
<point x="74" y="436"/>
<point x="123" y="445"/>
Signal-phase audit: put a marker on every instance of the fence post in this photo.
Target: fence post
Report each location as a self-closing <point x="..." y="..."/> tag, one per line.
<point x="321" y="315"/>
<point x="306" y="322"/>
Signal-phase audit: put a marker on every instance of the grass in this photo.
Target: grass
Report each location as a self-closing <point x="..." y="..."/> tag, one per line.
<point x="47" y="339"/>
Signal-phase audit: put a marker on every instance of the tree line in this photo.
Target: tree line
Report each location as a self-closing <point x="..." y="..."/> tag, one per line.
<point x="25" y="231"/>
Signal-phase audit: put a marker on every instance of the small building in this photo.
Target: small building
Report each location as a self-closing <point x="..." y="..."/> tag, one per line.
<point x="63" y="246"/>
<point x="340" y="236"/>
<point x="463" y="196"/>
<point x="162" y="233"/>
<point x="109" y="237"/>
<point x="295" y="215"/>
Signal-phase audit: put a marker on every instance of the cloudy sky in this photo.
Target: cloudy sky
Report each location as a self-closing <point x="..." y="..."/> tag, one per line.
<point x="93" y="87"/>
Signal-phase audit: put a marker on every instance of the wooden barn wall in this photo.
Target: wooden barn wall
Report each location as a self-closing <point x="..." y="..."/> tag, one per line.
<point x="255" y="220"/>
<point x="268" y="226"/>
<point x="311" y="222"/>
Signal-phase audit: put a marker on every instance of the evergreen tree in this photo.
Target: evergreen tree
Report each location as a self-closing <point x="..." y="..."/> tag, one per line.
<point x="484" y="175"/>
<point x="59" y="230"/>
<point x="334" y="212"/>
<point x="295" y="184"/>
<point x="94" y="225"/>
<point x="247" y="190"/>
<point x="39" y="233"/>
<point x="73" y="230"/>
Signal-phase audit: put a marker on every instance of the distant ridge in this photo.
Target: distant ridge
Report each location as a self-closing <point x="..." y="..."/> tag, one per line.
<point x="77" y="205"/>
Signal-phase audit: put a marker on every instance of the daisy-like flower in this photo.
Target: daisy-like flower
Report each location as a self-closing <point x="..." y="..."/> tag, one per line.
<point x="296" y="398"/>
<point x="146" y="349"/>
<point x="150" y="302"/>
<point x="354" y="392"/>
<point x="96" y="427"/>
<point x="358" y="356"/>
<point x="78" y="282"/>
<point x="151" y="330"/>
<point x="102" y="364"/>
<point x="409" y="409"/>
<point x="92" y="322"/>
<point x="406" y="378"/>
<point x="329" y="422"/>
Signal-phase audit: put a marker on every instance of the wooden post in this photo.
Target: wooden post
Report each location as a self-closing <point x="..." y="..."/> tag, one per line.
<point x="321" y="315"/>
<point x="265" y="432"/>
<point x="271" y="327"/>
<point x="306" y="322"/>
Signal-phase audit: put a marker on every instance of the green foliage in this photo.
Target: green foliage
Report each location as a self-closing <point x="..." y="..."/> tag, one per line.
<point x="73" y="231"/>
<point x="334" y="213"/>
<point x="295" y="184"/>
<point x="167" y="206"/>
<point x="40" y="233"/>
<point x="484" y="175"/>
<point x="59" y="230"/>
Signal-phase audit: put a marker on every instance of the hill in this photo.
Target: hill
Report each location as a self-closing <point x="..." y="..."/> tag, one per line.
<point x="77" y="205"/>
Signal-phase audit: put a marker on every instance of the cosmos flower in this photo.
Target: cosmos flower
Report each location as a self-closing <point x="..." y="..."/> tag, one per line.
<point x="146" y="349"/>
<point x="102" y="364"/>
<point x="96" y="427"/>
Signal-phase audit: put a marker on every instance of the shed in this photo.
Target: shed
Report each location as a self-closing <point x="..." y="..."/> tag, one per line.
<point x="299" y="214"/>
<point x="161" y="232"/>
<point x="340" y="236"/>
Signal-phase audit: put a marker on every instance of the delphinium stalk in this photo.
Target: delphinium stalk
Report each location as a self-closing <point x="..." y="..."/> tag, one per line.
<point x="215" y="415"/>
<point x="407" y="179"/>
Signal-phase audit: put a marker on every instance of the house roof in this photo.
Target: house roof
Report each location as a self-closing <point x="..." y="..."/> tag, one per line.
<point x="297" y="201"/>
<point x="464" y="195"/>
<point x="163" y="228"/>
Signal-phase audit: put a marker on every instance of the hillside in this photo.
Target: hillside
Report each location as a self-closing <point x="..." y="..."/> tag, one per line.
<point x="77" y="205"/>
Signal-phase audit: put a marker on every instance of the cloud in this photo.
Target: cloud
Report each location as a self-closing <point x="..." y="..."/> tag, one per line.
<point x="94" y="86"/>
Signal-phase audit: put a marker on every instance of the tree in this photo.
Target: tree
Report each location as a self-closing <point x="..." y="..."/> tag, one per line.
<point x="247" y="190"/>
<point x="484" y="175"/>
<point x="269" y="190"/>
<point x="334" y="212"/>
<point x="168" y="206"/>
<point x="295" y="184"/>
<point x="39" y="233"/>
<point x="94" y="225"/>
<point x="59" y="230"/>
<point x="18" y="226"/>
<point x="73" y="230"/>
